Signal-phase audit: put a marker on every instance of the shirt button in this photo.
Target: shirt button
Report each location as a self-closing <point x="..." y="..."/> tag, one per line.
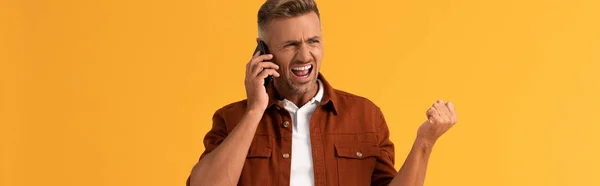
<point x="359" y="154"/>
<point x="286" y="124"/>
<point x="286" y="155"/>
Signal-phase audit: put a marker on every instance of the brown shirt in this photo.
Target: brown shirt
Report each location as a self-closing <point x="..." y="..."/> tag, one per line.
<point x="348" y="134"/>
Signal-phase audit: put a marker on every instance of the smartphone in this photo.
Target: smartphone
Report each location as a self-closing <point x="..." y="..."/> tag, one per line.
<point x="262" y="47"/>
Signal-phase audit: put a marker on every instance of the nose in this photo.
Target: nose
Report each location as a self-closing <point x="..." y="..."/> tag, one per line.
<point x="304" y="54"/>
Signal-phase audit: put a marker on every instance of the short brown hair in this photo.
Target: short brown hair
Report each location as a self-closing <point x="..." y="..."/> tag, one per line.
<point x="284" y="8"/>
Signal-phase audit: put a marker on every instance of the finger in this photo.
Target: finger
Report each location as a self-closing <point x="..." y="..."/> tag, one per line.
<point x="432" y="115"/>
<point x="437" y="112"/>
<point x="259" y="67"/>
<point x="442" y="109"/>
<point x="249" y="64"/>
<point x="430" y="112"/>
<point x="265" y="73"/>
<point x="450" y="106"/>
<point x="261" y="58"/>
<point x="256" y="54"/>
<point x="434" y="119"/>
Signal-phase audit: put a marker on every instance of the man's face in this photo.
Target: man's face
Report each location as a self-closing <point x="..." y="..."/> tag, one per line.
<point x="297" y="47"/>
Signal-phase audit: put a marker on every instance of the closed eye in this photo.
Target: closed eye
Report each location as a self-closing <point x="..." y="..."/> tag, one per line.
<point x="292" y="44"/>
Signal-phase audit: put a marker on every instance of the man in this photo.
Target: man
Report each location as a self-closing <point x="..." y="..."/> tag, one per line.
<point x="301" y="131"/>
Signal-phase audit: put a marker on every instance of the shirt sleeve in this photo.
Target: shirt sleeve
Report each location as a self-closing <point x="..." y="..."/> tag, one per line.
<point x="214" y="137"/>
<point x="384" y="168"/>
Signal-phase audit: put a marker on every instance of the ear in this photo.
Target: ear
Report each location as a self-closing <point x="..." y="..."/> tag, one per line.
<point x="257" y="40"/>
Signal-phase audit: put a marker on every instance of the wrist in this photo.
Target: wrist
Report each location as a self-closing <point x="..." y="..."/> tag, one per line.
<point x="425" y="143"/>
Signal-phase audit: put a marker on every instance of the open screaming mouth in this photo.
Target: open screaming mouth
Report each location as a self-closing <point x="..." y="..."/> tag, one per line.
<point x="303" y="71"/>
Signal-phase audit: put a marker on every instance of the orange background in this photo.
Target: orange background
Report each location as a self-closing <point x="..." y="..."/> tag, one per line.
<point x="122" y="92"/>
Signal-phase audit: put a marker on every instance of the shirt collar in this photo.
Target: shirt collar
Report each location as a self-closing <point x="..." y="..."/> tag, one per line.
<point x="320" y="93"/>
<point x="290" y="106"/>
<point x="326" y="95"/>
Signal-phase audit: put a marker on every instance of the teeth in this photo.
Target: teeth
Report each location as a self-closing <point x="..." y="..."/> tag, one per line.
<point x="302" y="68"/>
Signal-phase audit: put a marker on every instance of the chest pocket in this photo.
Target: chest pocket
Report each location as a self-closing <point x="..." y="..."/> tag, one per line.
<point x="260" y="147"/>
<point x="260" y="152"/>
<point x="356" y="163"/>
<point x="256" y="170"/>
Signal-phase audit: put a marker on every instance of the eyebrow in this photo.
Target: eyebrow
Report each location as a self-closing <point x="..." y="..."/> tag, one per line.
<point x="296" y="41"/>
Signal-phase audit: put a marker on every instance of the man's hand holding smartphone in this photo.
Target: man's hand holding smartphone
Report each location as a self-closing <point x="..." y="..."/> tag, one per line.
<point x="257" y="69"/>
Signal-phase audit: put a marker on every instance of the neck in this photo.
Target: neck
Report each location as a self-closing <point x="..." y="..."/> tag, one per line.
<point x="299" y="99"/>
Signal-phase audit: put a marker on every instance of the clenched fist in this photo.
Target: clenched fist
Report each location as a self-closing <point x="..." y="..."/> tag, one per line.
<point x="440" y="118"/>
